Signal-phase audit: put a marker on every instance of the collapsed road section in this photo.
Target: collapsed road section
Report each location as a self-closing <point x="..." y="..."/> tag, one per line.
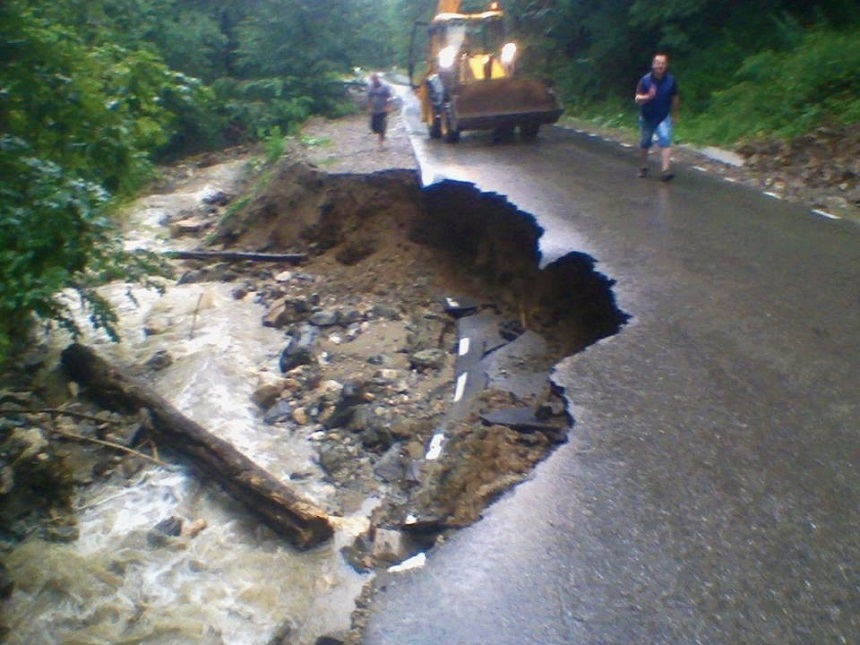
<point x="429" y="310"/>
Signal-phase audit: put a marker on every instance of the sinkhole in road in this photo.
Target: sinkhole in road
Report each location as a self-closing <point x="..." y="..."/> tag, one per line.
<point x="482" y="326"/>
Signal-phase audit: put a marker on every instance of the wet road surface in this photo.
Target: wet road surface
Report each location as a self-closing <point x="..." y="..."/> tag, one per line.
<point x="710" y="491"/>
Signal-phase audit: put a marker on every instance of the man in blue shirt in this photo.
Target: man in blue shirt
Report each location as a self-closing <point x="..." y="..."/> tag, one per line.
<point x="658" y="101"/>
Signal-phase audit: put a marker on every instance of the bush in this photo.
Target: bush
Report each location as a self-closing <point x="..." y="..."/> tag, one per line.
<point x="786" y="93"/>
<point x="54" y="235"/>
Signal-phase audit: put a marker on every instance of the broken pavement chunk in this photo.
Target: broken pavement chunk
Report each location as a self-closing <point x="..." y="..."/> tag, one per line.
<point x="524" y="420"/>
<point x="458" y="307"/>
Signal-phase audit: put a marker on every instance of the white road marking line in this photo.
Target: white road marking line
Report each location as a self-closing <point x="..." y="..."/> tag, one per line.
<point x="464" y="347"/>
<point x="435" y="448"/>
<point x="461" y="386"/>
<point x="825" y="214"/>
<point x="415" y="562"/>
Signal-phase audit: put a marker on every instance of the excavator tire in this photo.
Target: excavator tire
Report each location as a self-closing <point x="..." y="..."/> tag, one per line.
<point x="435" y="129"/>
<point x="450" y="134"/>
<point x="530" y="131"/>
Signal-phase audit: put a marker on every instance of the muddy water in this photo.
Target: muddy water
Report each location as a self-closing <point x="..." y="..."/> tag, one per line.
<point x="234" y="581"/>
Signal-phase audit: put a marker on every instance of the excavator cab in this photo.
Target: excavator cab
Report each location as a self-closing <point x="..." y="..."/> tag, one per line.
<point x="470" y="80"/>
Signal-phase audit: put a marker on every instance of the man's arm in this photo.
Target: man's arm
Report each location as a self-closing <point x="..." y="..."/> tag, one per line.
<point x="643" y="95"/>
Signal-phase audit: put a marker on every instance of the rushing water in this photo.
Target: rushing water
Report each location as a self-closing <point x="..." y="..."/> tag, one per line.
<point x="234" y="581"/>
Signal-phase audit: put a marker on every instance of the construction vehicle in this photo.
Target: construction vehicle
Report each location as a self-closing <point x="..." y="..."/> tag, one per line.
<point x="469" y="80"/>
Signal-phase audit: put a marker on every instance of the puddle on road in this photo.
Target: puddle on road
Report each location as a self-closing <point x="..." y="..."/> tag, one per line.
<point x="236" y="582"/>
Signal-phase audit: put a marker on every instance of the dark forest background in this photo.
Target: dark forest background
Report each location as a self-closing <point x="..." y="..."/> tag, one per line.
<point x="94" y="94"/>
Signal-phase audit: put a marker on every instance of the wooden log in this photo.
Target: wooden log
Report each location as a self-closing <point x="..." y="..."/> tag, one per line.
<point x="236" y="256"/>
<point x="300" y="521"/>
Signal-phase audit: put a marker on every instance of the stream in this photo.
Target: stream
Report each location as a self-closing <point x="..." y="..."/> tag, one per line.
<point x="234" y="581"/>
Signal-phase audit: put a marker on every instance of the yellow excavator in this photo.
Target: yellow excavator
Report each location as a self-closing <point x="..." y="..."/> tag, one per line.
<point x="469" y="80"/>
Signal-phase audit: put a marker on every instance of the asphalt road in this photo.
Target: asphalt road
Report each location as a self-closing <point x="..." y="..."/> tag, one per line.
<point x="710" y="492"/>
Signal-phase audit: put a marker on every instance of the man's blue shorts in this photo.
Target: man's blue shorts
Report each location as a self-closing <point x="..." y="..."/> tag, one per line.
<point x="663" y="130"/>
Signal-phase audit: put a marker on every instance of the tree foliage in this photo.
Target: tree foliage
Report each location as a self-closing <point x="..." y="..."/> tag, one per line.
<point x="93" y="93"/>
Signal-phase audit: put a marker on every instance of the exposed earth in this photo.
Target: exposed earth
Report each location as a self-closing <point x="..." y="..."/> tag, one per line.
<point x="371" y="360"/>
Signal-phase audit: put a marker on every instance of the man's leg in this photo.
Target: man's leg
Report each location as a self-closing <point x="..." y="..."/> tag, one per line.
<point x="646" y="137"/>
<point x="664" y="141"/>
<point x="382" y="127"/>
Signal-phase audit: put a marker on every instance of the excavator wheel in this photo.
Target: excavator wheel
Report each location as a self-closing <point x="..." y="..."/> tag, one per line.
<point x="435" y="129"/>
<point x="529" y="131"/>
<point x="448" y="132"/>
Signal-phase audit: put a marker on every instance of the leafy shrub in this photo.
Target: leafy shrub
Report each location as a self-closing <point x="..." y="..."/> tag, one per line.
<point x="789" y="92"/>
<point x="55" y="235"/>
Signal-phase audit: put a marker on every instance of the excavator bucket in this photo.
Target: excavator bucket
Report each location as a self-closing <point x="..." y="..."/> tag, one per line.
<point x="504" y="103"/>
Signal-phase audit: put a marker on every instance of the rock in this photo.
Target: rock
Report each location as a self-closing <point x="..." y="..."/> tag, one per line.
<point x="280" y="313"/>
<point x="213" y="196"/>
<point x="283" y="634"/>
<point x="362" y="418"/>
<point x="428" y="359"/>
<point x="389" y="468"/>
<point x="351" y="395"/>
<point x="333" y="457"/>
<point x="160" y="360"/>
<point x="390" y="545"/>
<point x="385" y="312"/>
<point x="284" y="276"/>
<point x="388" y="375"/>
<point x="194" y="528"/>
<point x="269" y="388"/>
<point x="326" y="318"/>
<point x="300" y="416"/>
<point x="157" y="324"/>
<point x="190" y="226"/>
<point x="171" y="526"/>
<point x="161" y="534"/>
<point x="376" y="437"/>
<point x="415" y="450"/>
<point x="24" y="444"/>
<point x="298" y="349"/>
<point x="353" y="331"/>
<point x="281" y="411"/>
<point x="351" y="317"/>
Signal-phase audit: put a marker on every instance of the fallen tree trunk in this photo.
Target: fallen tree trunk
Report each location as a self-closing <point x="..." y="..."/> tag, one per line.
<point x="236" y="256"/>
<point x="300" y="521"/>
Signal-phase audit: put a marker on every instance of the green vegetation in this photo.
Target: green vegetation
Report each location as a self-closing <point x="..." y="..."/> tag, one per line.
<point x="768" y="68"/>
<point x="93" y="94"/>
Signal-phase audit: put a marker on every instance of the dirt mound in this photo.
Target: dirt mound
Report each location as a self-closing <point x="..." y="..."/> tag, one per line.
<point x="821" y="168"/>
